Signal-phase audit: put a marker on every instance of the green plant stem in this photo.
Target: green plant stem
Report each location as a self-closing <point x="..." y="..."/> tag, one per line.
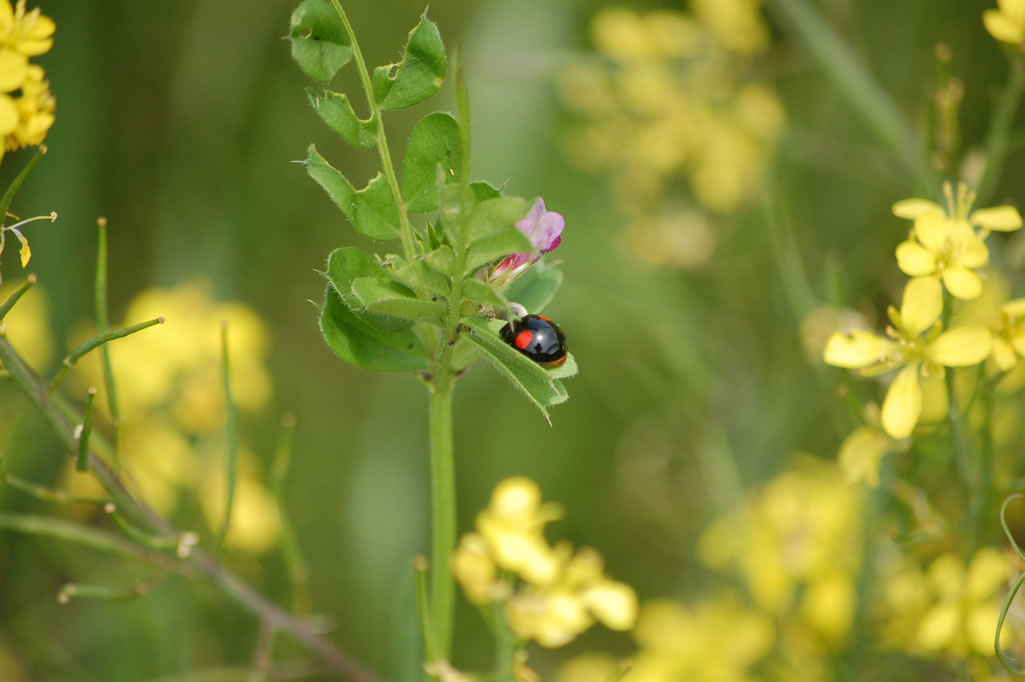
<point x="201" y="563"/>
<point x="999" y="137"/>
<point x="230" y="440"/>
<point x="102" y="326"/>
<point x="95" y="342"/>
<point x="405" y="229"/>
<point x="6" y="306"/>
<point x="443" y="510"/>
<point x="853" y="80"/>
<point x="983" y="493"/>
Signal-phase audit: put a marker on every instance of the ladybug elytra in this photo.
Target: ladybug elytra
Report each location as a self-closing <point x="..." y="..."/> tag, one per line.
<point x="538" y="338"/>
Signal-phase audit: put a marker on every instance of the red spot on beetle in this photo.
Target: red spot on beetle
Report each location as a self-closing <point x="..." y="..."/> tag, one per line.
<point x="524" y="338"/>
<point x="544" y="318"/>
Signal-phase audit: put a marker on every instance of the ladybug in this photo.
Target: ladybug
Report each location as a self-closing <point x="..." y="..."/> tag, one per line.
<point x="538" y="338"/>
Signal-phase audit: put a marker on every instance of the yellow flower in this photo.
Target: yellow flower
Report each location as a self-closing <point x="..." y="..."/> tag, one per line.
<point x="965" y="603"/>
<point x="1006" y="24"/>
<point x="27" y="33"/>
<point x="27" y="326"/>
<point x="1009" y="341"/>
<point x="861" y="451"/>
<point x="34" y="109"/>
<point x="915" y="346"/>
<point x="564" y="593"/>
<point x="737" y="24"/>
<point x="948" y="242"/>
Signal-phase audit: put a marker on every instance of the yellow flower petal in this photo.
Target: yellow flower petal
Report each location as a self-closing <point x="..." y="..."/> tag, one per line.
<point x="922" y="304"/>
<point x="912" y="208"/>
<point x="931" y="230"/>
<point x="473" y="568"/>
<point x="915" y="260"/>
<point x="860" y="454"/>
<point x="961" y="346"/>
<point x="612" y="603"/>
<point x="8" y="116"/>
<point x="903" y="403"/>
<point x="1014" y="308"/>
<point x="1004" y="354"/>
<point x="986" y="573"/>
<point x="13" y="69"/>
<point x="981" y="626"/>
<point x="939" y="626"/>
<point x="962" y="283"/>
<point x="974" y="253"/>
<point x="1014" y="10"/>
<point x="1018" y="343"/>
<point x="1001" y="28"/>
<point x="25" y="252"/>
<point x="1000" y="218"/>
<point x="857" y="349"/>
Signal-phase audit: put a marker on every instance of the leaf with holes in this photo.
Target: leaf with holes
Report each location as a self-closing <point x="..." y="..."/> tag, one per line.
<point x="336" y="111"/>
<point x="371" y="210"/>
<point x="418" y="75"/>
<point x="320" y="44"/>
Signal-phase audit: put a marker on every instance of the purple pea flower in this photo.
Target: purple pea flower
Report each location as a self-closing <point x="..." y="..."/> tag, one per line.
<point x="544" y="229"/>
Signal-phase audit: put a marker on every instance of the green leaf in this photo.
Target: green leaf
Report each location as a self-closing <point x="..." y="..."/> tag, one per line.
<point x="336" y="111"/>
<point x="527" y="376"/>
<point x="484" y="190"/>
<point x="565" y="370"/>
<point x="371" y="210"/>
<point x="535" y="288"/>
<point x="507" y="242"/>
<point x="423" y="279"/>
<point x="320" y="44"/>
<point x="370" y="348"/>
<point x="418" y="75"/>
<point x="493" y="216"/>
<point x="442" y="259"/>
<point x="476" y="290"/>
<point x="391" y="299"/>
<point x="345" y="266"/>
<point x="434" y="140"/>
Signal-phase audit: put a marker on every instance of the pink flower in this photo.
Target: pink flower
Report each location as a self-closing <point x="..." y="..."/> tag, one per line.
<point x="544" y="229"/>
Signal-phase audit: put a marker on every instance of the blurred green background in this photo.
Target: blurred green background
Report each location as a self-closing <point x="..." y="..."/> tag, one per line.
<point x="178" y="121"/>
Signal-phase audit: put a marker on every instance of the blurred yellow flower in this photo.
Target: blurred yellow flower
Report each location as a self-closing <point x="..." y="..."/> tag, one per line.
<point x="737" y="24"/>
<point x="948" y="242"/>
<point x="26" y="33"/>
<point x="963" y="603"/>
<point x="563" y="593"/>
<point x="26" y="105"/>
<point x="862" y="450"/>
<point x="1006" y="24"/>
<point x="792" y="544"/>
<point x="915" y="346"/>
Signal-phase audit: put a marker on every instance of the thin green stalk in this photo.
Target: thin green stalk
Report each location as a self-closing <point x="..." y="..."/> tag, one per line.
<point x="6" y="306"/>
<point x="984" y="492"/>
<point x="5" y="202"/>
<point x="88" y="536"/>
<point x="999" y="137"/>
<point x="295" y="562"/>
<point x="137" y="590"/>
<point x="443" y="511"/>
<point x="853" y="80"/>
<point x="95" y="342"/>
<point x="405" y="228"/>
<point x="47" y="494"/>
<point x="61" y="417"/>
<point x="103" y="325"/>
<point x="423" y="607"/>
<point x="231" y="441"/>
<point x="82" y="461"/>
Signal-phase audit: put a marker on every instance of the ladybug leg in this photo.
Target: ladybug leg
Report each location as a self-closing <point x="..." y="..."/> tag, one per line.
<point x="517" y="309"/>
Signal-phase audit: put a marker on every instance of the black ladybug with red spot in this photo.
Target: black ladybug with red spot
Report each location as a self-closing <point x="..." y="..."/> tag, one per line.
<point x="538" y="338"/>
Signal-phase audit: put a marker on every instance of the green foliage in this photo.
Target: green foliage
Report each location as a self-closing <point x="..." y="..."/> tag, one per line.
<point x="371" y="210"/>
<point x="434" y="140"/>
<point x="320" y="44"/>
<point x="336" y="111"/>
<point x="535" y="289"/>
<point x="372" y="348"/>
<point x="489" y="249"/>
<point x="420" y="73"/>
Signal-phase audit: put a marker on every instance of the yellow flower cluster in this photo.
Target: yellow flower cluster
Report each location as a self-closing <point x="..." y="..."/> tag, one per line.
<point x="794" y="545"/>
<point x="26" y="105"/>
<point x="668" y="100"/>
<point x="561" y="593"/>
<point x="950" y="608"/>
<point x="945" y="249"/>
<point x="172" y="406"/>
<point x="1006" y="24"/>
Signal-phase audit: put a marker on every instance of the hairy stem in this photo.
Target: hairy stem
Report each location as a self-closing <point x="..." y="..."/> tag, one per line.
<point x="405" y="229"/>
